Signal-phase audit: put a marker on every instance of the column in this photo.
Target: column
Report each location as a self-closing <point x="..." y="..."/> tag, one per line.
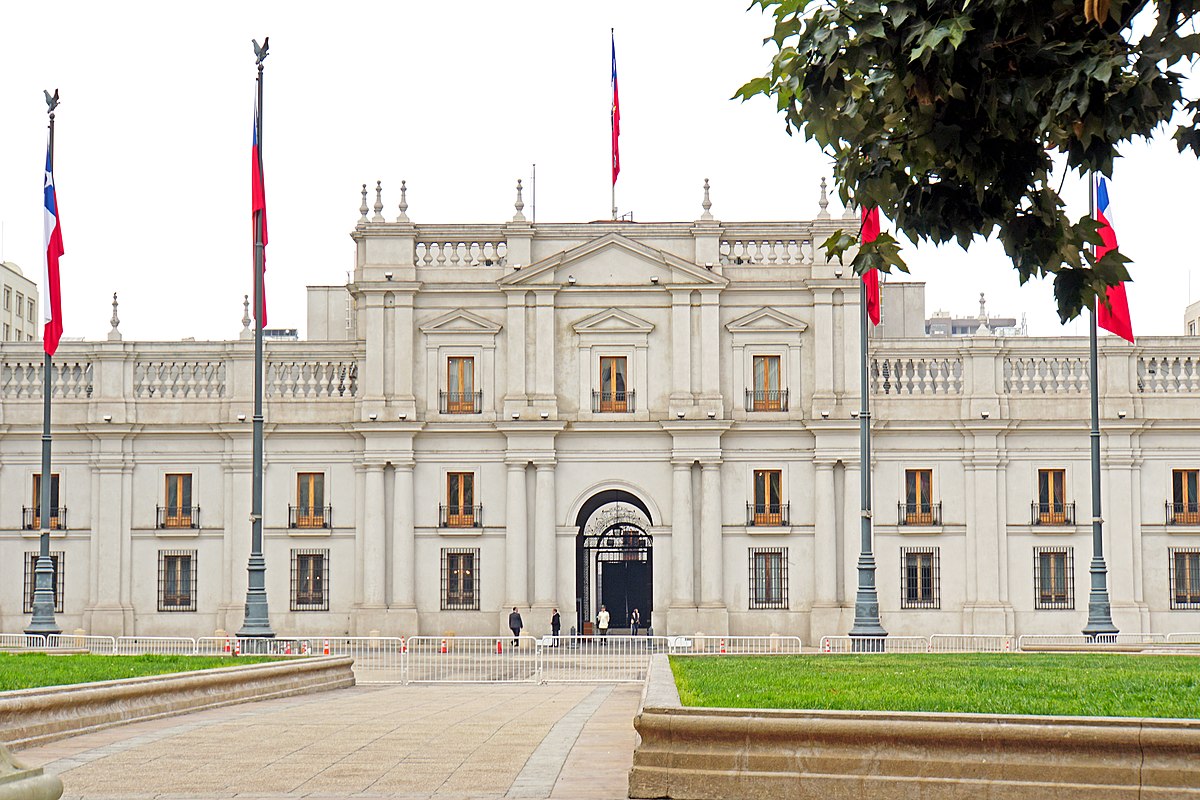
<point x="825" y="543"/>
<point x="514" y="347"/>
<point x="710" y="344"/>
<point x="681" y="347"/>
<point x="545" y="345"/>
<point x="683" y="591"/>
<point x="374" y="565"/>
<point x="404" y="538"/>
<point x="515" y="547"/>
<point x="403" y="355"/>
<point x="712" y="560"/>
<point x="545" y="553"/>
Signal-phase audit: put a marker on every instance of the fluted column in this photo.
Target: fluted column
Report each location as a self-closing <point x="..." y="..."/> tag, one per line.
<point x="545" y="552"/>
<point x="712" y="561"/>
<point x="404" y="538"/>
<point x="374" y="565"/>
<point x="683" y="591"/>
<point x="825" y="545"/>
<point x="515" y="547"/>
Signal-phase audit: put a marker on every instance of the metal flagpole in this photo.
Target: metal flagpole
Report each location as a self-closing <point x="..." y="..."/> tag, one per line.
<point x="256" y="622"/>
<point x="43" y="621"/>
<point x="1099" y="620"/>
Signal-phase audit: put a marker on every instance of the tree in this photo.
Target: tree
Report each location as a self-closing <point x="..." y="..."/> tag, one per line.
<point x="947" y="114"/>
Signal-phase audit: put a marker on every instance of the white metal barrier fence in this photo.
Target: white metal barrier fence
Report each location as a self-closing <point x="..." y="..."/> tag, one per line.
<point x="155" y="645"/>
<point x="1071" y="640"/>
<point x="97" y="645"/>
<point x="970" y="643"/>
<point x="597" y="659"/>
<point x="471" y="659"/>
<point x="874" y="644"/>
<point x="21" y="641"/>
<point x="736" y="645"/>
<point x="1183" y="638"/>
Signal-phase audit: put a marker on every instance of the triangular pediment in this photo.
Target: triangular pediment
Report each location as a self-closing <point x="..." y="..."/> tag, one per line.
<point x="767" y="319"/>
<point x="613" y="260"/>
<point x="613" y="319"/>
<point x="460" y="321"/>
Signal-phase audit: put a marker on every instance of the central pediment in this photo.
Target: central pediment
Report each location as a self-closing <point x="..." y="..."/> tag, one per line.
<point x="613" y="260"/>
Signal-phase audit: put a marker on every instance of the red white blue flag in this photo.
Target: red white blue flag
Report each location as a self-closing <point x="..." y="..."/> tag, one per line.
<point x="616" y="118"/>
<point x="1116" y="320"/>
<point x="870" y="278"/>
<point x="258" y="203"/>
<point x="51" y="294"/>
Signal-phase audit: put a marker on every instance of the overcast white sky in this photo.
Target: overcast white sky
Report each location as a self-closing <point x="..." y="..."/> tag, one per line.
<point x="153" y="139"/>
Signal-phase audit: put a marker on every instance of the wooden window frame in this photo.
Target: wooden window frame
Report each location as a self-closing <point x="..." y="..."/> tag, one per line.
<point x="768" y="578"/>
<point x="918" y="505"/>
<point x="1048" y="593"/>
<point x="766" y="511"/>
<point x="172" y="598"/>
<point x="311" y="515"/>
<point x="1184" y="484"/>
<point x="310" y="580"/>
<point x="459" y="512"/>
<point x="1184" y="578"/>
<point x="59" y="559"/>
<point x="615" y="400"/>
<point x="767" y="397"/>
<point x="56" y="520"/>
<point x="180" y="514"/>
<point x="1052" y="505"/>
<point x="460" y="371"/>
<point x="920" y="577"/>
<point x="460" y="579"/>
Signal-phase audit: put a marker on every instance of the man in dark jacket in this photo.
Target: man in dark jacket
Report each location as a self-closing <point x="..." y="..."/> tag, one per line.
<point x="515" y="625"/>
<point x="555" y="626"/>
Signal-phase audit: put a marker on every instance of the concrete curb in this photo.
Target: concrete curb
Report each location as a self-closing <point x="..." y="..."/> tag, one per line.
<point x="710" y="753"/>
<point x="30" y="717"/>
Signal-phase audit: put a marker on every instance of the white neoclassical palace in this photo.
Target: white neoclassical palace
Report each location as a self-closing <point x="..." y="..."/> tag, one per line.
<point x="649" y="415"/>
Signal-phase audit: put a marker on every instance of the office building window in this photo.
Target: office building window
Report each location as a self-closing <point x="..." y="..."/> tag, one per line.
<point x="1052" y="497"/>
<point x="460" y="510"/>
<point x="920" y="578"/>
<point x="918" y="498"/>
<point x="176" y="580"/>
<point x="178" y="511"/>
<point x="58" y="561"/>
<point x="310" y="580"/>
<point x="1185" y="577"/>
<point x="30" y="315"/>
<point x="20" y="305"/>
<point x="768" y="577"/>
<point x="460" y="579"/>
<point x="310" y="510"/>
<point x="1054" y="577"/>
<point x="461" y="397"/>
<point x="768" y="498"/>
<point x="767" y="394"/>
<point x="7" y="299"/>
<point x="33" y="515"/>
<point x="1185" y="499"/>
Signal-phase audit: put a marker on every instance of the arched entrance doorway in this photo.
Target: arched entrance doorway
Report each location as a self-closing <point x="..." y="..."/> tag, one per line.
<point x="614" y="559"/>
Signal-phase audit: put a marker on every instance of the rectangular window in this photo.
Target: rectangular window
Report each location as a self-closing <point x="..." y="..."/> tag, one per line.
<point x="768" y="497"/>
<point x="20" y="305"/>
<point x="918" y="497"/>
<point x="767" y="395"/>
<point x="1052" y="496"/>
<point x="7" y="299"/>
<point x="58" y="561"/>
<point x="31" y="314"/>
<point x="768" y="577"/>
<point x="310" y="580"/>
<point x="7" y="332"/>
<point x="460" y="385"/>
<point x="177" y="513"/>
<point x="1185" y="577"/>
<point x="311" y="511"/>
<point x="920" y="577"/>
<point x="176" y="580"/>
<point x="460" y="579"/>
<point x="1054" y="577"/>
<point x="613" y="386"/>
<point x="460" y="500"/>
<point x="1186" y="505"/>
<point x="57" y="522"/>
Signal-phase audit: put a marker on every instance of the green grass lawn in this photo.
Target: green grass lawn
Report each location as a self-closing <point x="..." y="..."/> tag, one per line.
<point x="27" y="670"/>
<point x="1083" y="684"/>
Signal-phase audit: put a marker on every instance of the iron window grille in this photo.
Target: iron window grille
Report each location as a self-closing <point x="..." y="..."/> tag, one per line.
<point x="1187" y="513"/>
<point x="1054" y="578"/>
<point x="453" y="516"/>
<point x="617" y="402"/>
<point x="310" y="580"/>
<point x="760" y="514"/>
<point x="1051" y="513"/>
<point x="31" y="518"/>
<point x="178" y="517"/>
<point x="310" y="516"/>
<point x="58" y="560"/>
<point x="460" y="579"/>
<point x="768" y="578"/>
<point x="460" y="402"/>
<point x="176" y="580"/>
<point x="1185" y="577"/>
<point x="920" y="577"/>
<point x="919" y="514"/>
<point x="766" y="399"/>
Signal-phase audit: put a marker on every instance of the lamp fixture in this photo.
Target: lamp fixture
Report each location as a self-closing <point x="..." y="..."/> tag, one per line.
<point x="516" y="415"/>
<point x="654" y="279"/>
<point x="985" y="414"/>
<point x="712" y="415"/>
<point x="824" y="415"/>
<point x="387" y="275"/>
<point x="372" y="417"/>
<point x="108" y="417"/>
<point x="708" y="265"/>
<point x="403" y="416"/>
<point x="678" y="415"/>
<point x="241" y="417"/>
<point x="854" y="415"/>
<point x="1120" y="415"/>
<point x="545" y="415"/>
<point x="837" y="271"/>
<point x="571" y="279"/>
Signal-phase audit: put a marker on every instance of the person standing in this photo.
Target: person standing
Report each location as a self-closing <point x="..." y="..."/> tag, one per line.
<point x="515" y="625"/>
<point x="555" y="626"/>
<point x="602" y="621"/>
<point x="635" y="622"/>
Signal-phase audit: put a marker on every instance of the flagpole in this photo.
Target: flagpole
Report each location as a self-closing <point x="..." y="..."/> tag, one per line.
<point x="1099" y="620"/>
<point x="43" y="621"/>
<point x="612" y="124"/>
<point x="256" y="622"/>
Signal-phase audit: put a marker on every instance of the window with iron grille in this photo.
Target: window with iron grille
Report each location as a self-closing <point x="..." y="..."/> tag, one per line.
<point x="1054" y="577"/>
<point x="176" y="580"/>
<point x="310" y="580"/>
<point x="1185" y="577"/>
<point x="768" y="577"/>
<point x="920" y="577"/>
<point x="460" y="578"/>
<point x="58" y="560"/>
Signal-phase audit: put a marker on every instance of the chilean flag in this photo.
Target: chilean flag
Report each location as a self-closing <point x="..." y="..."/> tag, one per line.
<point x="258" y="203"/>
<point x="870" y="278"/>
<point x="51" y="296"/>
<point x="616" y="118"/>
<point x="1117" y="320"/>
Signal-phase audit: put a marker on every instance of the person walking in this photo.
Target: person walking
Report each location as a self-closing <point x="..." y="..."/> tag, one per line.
<point x="515" y="625"/>
<point x="602" y="622"/>
<point x="555" y="627"/>
<point x="635" y="622"/>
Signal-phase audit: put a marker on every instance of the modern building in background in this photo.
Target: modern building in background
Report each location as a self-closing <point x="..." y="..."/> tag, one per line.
<point x="655" y="415"/>
<point x="19" y="320"/>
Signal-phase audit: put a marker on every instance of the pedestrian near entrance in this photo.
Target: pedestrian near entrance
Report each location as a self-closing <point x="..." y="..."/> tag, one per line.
<point x="602" y="622"/>
<point x="635" y="622"/>
<point x="555" y="626"/>
<point x="515" y="625"/>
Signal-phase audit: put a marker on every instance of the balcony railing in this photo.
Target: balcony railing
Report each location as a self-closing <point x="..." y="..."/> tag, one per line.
<point x="919" y="513"/>
<point x="310" y="516"/>
<point x="31" y="521"/>
<point x="766" y="399"/>
<point x="613" y="402"/>
<point x="460" y="402"/>
<point x="461" y="516"/>
<point x="178" y="517"/>
<point x="1183" y="513"/>
<point x="1051" y="513"/>
<point x="764" y="514"/>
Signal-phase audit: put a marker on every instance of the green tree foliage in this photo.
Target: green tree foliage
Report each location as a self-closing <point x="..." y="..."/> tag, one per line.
<point x="947" y="113"/>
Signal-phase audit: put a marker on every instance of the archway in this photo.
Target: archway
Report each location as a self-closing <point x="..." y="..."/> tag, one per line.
<point x="614" y="559"/>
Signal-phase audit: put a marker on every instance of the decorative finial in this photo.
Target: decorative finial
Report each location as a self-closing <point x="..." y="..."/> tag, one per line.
<point x="115" y="334"/>
<point x="707" y="204"/>
<point x="823" y="202"/>
<point x="403" y="202"/>
<point x="378" y="203"/>
<point x="362" y="210"/>
<point x="247" y="332"/>
<point x="519" y="205"/>
<point x="982" y="306"/>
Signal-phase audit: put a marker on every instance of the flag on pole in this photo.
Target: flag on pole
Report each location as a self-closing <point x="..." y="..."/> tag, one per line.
<point x="51" y="295"/>
<point x="258" y="201"/>
<point x="1117" y="320"/>
<point x="870" y="278"/>
<point x="616" y="118"/>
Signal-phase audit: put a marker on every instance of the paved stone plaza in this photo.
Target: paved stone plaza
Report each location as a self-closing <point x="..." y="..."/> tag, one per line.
<point x="445" y="741"/>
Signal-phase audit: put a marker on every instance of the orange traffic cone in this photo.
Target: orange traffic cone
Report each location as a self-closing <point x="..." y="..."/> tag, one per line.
<point x="325" y="651"/>
<point x="722" y="646"/>
<point x="237" y="647"/>
<point x="827" y="646"/>
<point x="304" y="647"/>
<point x="443" y="645"/>
<point x="499" y="647"/>
<point x="1007" y="646"/>
<point x="403" y="645"/>
<point x="287" y="649"/>
<point x="228" y="649"/>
